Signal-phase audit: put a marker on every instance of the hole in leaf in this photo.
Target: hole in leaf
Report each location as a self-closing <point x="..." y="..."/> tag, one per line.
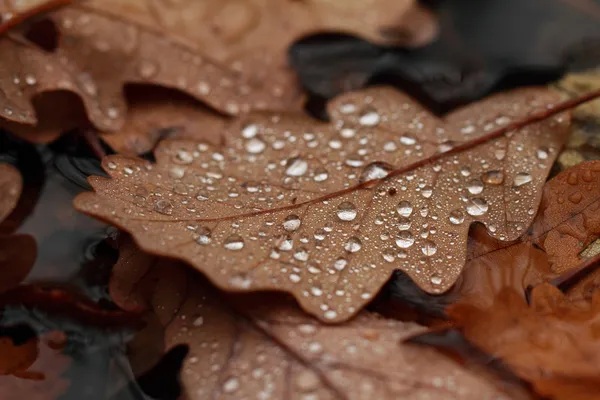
<point x="44" y="34"/>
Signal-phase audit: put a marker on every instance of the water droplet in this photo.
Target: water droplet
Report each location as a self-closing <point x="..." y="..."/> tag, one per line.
<point x="435" y="279"/>
<point x="315" y="347"/>
<point x="403" y="223"/>
<point x="240" y="281"/>
<point x="456" y="217"/>
<point x="542" y="153"/>
<point x="30" y="80"/>
<point x="307" y="329"/>
<point x="321" y="175"/>
<point x="147" y="69"/>
<point x="255" y="146"/>
<point x="405" y="239"/>
<point x="316" y="291"/>
<point x="475" y="186"/>
<point x="330" y="314"/>
<point x="346" y="211"/>
<point x="353" y="245"/>
<point x="521" y="179"/>
<point x="494" y="177"/>
<point x="204" y="235"/>
<point x="164" y="207"/>
<point x="369" y="118"/>
<point x="231" y="385"/>
<point x="429" y="248"/>
<point x="427" y="191"/>
<point x="234" y="242"/>
<point x="307" y="381"/>
<point x="301" y="254"/>
<point x="291" y="223"/>
<point x="477" y="207"/>
<point x="183" y="157"/>
<point x="375" y="170"/>
<point x="388" y="256"/>
<point x="249" y="131"/>
<point x="407" y="140"/>
<point x="404" y="208"/>
<point x="347" y="133"/>
<point x="296" y="167"/>
<point x="199" y="321"/>
<point x="340" y="264"/>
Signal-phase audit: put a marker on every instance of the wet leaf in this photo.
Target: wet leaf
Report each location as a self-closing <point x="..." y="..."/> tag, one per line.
<point x="255" y="347"/>
<point x="328" y="211"/>
<point x="552" y="343"/>
<point x="214" y="51"/>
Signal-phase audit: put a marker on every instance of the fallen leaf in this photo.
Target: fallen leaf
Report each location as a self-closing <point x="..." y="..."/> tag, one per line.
<point x="482" y="47"/>
<point x="247" y="347"/>
<point x="328" y="211"/>
<point x="17" y="252"/>
<point x="224" y="62"/>
<point x="552" y="343"/>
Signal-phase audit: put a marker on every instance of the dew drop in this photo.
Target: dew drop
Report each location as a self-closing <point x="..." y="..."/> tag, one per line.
<point x="306" y="381"/>
<point x="340" y="264"/>
<point x="231" y="385"/>
<point x="475" y="186"/>
<point x="30" y="80"/>
<point x="316" y="291"/>
<point x="435" y="279"/>
<point x="204" y="235"/>
<point x="404" y="223"/>
<point x="404" y="208"/>
<point x="249" y="131"/>
<point x="301" y="254"/>
<point x="234" y="242"/>
<point x="369" y="118"/>
<point x="321" y="175"/>
<point x="427" y="191"/>
<point x="407" y="140"/>
<point x="296" y="167"/>
<point x="164" y="207"/>
<point x="375" y="170"/>
<point x="183" y="157"/>
<point x="494" y="177"/>
<point x="542" y="153"/>
<point x="353" y="244"/>
<point x="346" y="211"/>
<point x="240" y="281"/>
<point x="429" y="248"/>
<point x="255" y="146"/>
<point x="388" y="256"/>
<point x="477" y="207"/>
<point x="330" y="314"/>
<point x="291" y="223"/>
<point x="521" y="179"/>
<point x="404" y="239"/>
<point x="147" y="69"/>
<point x="456" y="217"/>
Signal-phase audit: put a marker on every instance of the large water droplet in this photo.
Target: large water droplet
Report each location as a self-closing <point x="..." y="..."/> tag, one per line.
<point x="203" y="235"/>
<point x="255" y="146"/>
<point x="369" y="118"/>
<point x="456" y="217"/>
<point x="234" y="242"/>
<point x="296" y="167"/>
<point x="477" y="207"/>
<point x="475" y="186"/>
<point x="494" y="177"/>
<point x="164" y="206"/>
<point x="403" y="223"/>
<point x="340" y="264"/>
<point x="231" y="385"/>
<point x="321" y="175"/>
<point x="404" y="208"/>
<point x="542" y="153"/>
<point x="429" y="248"/>
<point x="522" y="178"/>
<point x="346" y="211"/>
<point x="291" y="223"/>
<point x="353" y="244"/>
<point x="249" y="131"/>
<point x="405" y="239"/>
<point x="427" y="191"/>
<point x="435" y="279"/>
<point x="375" y="170"/>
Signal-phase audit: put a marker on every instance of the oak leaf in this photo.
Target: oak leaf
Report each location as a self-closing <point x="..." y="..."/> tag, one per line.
<point x="552" y="343"/>
<point x="103" y="45"/>
<point x="328" y="211"/>
<point x="253" y="347"/>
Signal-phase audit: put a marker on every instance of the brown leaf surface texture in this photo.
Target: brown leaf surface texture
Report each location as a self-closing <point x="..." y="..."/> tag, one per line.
<point x="220" y="52"/>
<point x="328" y="211"/>
<point x="566" y="224"/>
<point x="17" y="252"/>
<point x="552" y="343"/>
<point x="247" y="347"/>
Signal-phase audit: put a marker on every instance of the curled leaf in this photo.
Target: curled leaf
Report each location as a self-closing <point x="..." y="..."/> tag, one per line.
<point x="249" y="347"/>
<point x="328" y="211"/>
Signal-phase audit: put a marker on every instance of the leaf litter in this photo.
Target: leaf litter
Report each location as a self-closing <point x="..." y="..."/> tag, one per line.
<point x="327" y="212"/>
<point x="252" y="346"/>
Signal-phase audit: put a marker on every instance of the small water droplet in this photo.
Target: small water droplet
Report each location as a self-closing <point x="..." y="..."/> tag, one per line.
<point x="404" y="223"/>
<point x="321" y="175"/>
<point x="147" y="69"/>
<point x="240" y="281"/>
<point x="542" y="153"/>
<point x="316" y="291"/>
<point x="435" y="279"/>
<point x="477" y="207"/>
<point x="340" y="264"/>
<point x="164" y="207"/>
<point x="495" y="177"/>
<point x="427" y="191"/>
<point x="353" y="244"/>
<point x="301" y="254"/>
<point x="429" y="248"/>
<point x="369" y="118"/>
<point x="407" y="140"/>
<point x="307" y="381"/>
<point x="204" y="235"/>
<point x="405" y="239"/>
<point x="183" y="157"/>
<point x="296" y="167"/>
<point x="375" y="170"/>
<point x="231" y="385"/>
<point x="475" y="186"/>
<point x="522" y="178"/>
<point x="291" y="223"/>
<point x="346" y="211"/>
<point x="255" y="146"/>
<point x="234" y="242"/>
<point x="404" y="208"/>
<point x="456" y="217"/>
<point x="330" y="314"/>
<point x="199" y="321"/>
<point x="30" y="80"/>
<point x="388" y="256"/>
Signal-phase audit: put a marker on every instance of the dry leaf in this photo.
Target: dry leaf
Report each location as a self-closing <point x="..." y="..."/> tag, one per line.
<point x="553" y="343"/>
<point x="249" y="348"/>
<point x="17" y="252"/>
<point x="222" y="62"/>
<point x="328" y="211"/>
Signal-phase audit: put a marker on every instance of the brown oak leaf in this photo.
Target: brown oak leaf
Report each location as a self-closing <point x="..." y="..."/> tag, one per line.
<point x="17" y="252"/>
<point x="246" y="347"/>
<point x="328" y="211"/>
<point x="552" y="343"/>
<point x="223" y="53"/>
